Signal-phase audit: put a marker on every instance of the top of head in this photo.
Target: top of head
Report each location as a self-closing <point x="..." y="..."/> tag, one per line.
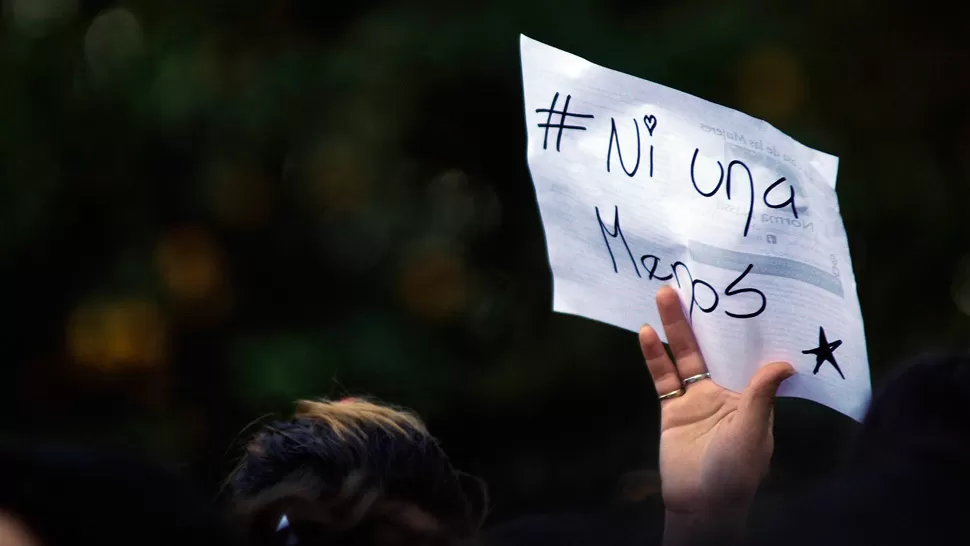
<point x="353" y="472"/>
<point x="921" y="410"/>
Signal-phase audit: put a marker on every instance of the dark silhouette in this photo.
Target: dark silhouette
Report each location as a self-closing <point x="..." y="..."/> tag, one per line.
<point x="906" y="475"/>
<point x="74" y="496"/>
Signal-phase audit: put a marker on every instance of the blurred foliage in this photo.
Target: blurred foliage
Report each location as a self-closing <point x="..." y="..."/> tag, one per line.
<point x="211" y="208"/>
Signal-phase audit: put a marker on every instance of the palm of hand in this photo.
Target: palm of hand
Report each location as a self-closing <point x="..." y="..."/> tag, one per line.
<point x="706" y="452"/>
<point x="715" y="444"/>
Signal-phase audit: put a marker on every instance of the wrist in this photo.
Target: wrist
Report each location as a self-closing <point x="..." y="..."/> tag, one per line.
<point x="722" y="524"/>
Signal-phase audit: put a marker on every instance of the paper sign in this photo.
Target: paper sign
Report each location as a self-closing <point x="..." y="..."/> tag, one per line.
<point x="641" y="186"/>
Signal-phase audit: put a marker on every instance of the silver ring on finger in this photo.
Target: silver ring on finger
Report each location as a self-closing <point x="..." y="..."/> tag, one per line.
<point x="672" y="394"/>
<point x="696" y="378"/>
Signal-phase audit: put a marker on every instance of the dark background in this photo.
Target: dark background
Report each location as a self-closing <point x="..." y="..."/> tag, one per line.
<point x="209" y="209"/>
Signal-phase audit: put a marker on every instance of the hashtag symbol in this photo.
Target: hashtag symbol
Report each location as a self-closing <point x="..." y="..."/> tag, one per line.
<point x="562" y="120"/>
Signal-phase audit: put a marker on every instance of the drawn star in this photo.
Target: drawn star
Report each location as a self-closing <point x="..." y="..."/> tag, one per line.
<point x="823" y="353"/>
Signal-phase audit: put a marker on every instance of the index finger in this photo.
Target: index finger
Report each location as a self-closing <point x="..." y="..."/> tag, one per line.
<point x="662" y="370"/>
<point x="680" y="335"/>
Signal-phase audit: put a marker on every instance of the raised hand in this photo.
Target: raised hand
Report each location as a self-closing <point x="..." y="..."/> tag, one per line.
<point x="715" y="444"/>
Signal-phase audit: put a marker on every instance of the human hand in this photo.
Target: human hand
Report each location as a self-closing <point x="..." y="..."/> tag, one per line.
<point x="715" y="444"/>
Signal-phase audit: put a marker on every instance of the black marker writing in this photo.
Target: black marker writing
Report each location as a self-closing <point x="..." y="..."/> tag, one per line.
<point x="651" y="161"/>
<point x="789" y="201"/>
<point x="825" y="352"/>
<point x="609" y="151"/>
<point x="720" y="180"/>
<point x="651" y="263"/>
<point x="730" y="291"/>
<point x="653" y="268"/>
<point x="693" y="291"/>
<point x="562" y="120"/>
<point x="651" y="123"/>
<point x="617" y="232"/>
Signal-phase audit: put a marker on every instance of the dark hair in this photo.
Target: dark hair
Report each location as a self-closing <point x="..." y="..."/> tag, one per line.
<point x="352" y="472"/>
<point x="907" y="471"/>
<point x="921" y="412"/>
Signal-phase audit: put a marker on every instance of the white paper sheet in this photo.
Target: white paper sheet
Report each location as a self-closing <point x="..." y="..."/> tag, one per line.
<point x="640" y="186"/>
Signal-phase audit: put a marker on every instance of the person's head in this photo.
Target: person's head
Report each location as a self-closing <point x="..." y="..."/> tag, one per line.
<point x="352" y="472"/>
<point x="920" y="414"/>
<point x="907" y="470"/>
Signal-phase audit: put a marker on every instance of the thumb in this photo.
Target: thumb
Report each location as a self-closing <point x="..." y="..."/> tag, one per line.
<point x="758" y="398"/>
